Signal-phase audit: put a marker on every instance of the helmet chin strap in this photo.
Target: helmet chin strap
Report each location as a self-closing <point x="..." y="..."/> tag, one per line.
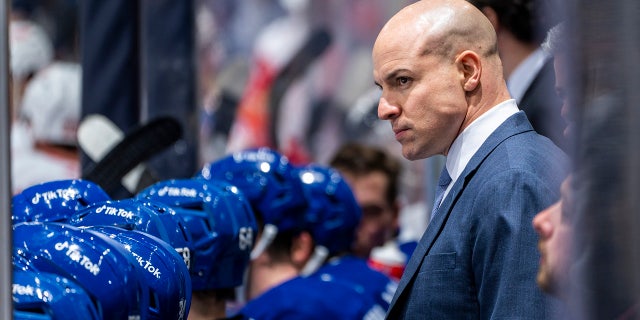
<point x="269" y="233"/>
<point x="320" y="254"/>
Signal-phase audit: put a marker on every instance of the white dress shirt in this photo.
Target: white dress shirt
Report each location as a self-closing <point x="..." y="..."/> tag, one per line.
<point x="473" y="136"/>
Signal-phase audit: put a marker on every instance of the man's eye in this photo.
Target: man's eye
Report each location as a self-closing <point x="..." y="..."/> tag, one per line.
<point x="372" y="210"/>
<point x="403" y="80"/>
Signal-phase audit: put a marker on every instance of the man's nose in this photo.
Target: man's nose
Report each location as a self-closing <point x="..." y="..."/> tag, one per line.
<point x="387" y="110"/>
<point x="542" y="222"/>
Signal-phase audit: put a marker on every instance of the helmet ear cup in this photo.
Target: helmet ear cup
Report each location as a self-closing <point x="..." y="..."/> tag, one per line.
<point x="55" y="201"/>
<point x="221" y="223"/>
<point x="333" y="212"/>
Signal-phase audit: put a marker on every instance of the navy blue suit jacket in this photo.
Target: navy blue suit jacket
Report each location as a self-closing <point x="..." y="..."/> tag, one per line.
<point x="478" y="258"/>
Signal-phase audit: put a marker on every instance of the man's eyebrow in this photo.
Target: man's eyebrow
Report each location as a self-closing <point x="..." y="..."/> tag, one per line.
<point x="391" y="76"/>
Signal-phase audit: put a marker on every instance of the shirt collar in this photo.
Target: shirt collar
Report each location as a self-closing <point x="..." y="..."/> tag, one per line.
<point x="473" y="136"/>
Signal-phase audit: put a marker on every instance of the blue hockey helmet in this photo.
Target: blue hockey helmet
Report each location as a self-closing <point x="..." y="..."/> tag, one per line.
<point x="99" y="264"/>
<point x="20" y="262"/>
<point x="265" y="177"/>
<point x="163" y="270"/>
<point x="221" y="223"/>
<point x="333" y="213"/>
<point x="147" y="216"/>
<point x="55" y="200"/>
<point x="43" y="295"/>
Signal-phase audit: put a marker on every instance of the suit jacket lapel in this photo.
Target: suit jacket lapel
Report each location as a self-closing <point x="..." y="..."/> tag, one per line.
<point x="515" y="124"/>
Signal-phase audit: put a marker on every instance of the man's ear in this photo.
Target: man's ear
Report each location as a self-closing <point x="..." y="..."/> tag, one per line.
<point x="471" y="69"/>
<point x="301" y="249"/>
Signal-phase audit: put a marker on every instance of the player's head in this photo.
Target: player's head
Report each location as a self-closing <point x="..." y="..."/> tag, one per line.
<point x="526" y="20"/>
<point x="374" y="177"/>
<point x="147" y="216"/>
<point x="221" y="222"/>
<point x="163" y="270"/>
<point x="51" y="104"/>
<point x="55" y="201"/>
<point x="265" y="177"/>
<point x="333" y="212"/>
<point x="31" y="48"/>
<point x="43" y="295"/>
<point x="99" y="264"/>
<point x="555" y="226"/>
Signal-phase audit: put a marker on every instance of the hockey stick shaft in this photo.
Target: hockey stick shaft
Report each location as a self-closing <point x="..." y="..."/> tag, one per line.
<point x="136" y="147"/>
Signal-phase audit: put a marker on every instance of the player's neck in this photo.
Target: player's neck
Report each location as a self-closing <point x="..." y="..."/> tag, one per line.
<point x="266" y="276"/>
<point x="203" y="308"/>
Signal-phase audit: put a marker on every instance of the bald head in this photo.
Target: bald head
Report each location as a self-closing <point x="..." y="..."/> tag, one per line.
<point x="441" y="27"/>
<point x="437" y="64"/>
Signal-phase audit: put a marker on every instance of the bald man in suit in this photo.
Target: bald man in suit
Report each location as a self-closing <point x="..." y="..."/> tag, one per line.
<point x="443" y="92"/>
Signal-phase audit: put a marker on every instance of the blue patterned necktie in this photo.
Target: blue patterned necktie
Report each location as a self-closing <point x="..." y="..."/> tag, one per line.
<point x="443" y="183"/>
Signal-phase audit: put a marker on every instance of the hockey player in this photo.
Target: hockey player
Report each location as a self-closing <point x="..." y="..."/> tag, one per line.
<point x="222" y="224"/>
<point x="284" y="246"/>
<point x="331" y="218"/>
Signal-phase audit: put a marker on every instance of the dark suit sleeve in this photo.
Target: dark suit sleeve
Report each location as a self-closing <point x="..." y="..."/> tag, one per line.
<point x="505" y="256"/>
<point x="543" y="107"/>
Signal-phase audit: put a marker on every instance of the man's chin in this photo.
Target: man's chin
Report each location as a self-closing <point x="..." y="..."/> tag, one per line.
<point x="569" y="131"/>
<point x="411" y="153"/>
<point x="408" y="153"/>
<point x="546" y="283"/>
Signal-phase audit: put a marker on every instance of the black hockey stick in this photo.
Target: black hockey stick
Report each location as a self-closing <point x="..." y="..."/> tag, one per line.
<point x="318" y="41"/>
<point x="136" y="147"/>
<point x="97" y="135"/>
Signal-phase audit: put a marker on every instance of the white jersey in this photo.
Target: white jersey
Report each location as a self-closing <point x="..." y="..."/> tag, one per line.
<point x="30" y="166"/>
